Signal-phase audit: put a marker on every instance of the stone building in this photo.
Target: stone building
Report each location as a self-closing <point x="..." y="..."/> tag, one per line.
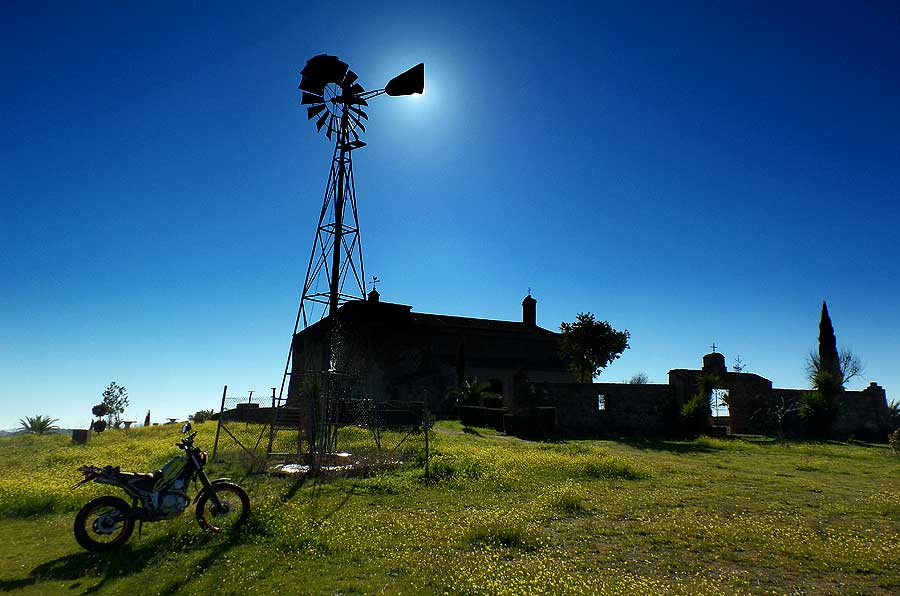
<point x="622" y="408"/>
<point x="395" y="354"/>
<point x="398" y="354"/>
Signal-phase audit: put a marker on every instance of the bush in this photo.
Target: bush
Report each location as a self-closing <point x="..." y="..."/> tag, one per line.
<point x="202" y="416"/>
<point x="695" y="413"/>
<point x="38" y="424"/>
<point x="894" y="440"/>
<point x="817" y="410"/>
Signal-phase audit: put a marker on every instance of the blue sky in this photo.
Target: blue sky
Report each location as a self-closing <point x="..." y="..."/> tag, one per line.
<point x="703" y="173"/>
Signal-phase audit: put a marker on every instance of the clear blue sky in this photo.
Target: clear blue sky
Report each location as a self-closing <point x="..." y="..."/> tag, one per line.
<point x="693" y="173"/>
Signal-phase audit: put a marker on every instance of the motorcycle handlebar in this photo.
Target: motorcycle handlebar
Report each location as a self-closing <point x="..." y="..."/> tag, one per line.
<point x="188" y="440"/>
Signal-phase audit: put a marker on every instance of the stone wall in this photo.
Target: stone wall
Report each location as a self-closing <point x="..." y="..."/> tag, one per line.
<point x="627" y="409"/>
<point x="863" y="414"/>
<point x="652" y="409"/>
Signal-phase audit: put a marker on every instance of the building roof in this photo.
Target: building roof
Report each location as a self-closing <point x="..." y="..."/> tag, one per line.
<point x="449" y="321"/>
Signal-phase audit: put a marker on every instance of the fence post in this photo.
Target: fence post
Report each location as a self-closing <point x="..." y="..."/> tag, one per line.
<point x="219" y="425"/>
<point x="426" y="423"/>
<point x="272" y="423"/>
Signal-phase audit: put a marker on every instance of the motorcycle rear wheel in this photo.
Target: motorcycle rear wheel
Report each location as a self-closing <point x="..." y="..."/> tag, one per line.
<point x="103" y="524"/>
<point x="236" y="505"/>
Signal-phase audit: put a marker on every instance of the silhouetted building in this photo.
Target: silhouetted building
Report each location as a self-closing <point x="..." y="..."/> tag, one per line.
<point x="403" y="355"/>
<point x="614" y="408"/>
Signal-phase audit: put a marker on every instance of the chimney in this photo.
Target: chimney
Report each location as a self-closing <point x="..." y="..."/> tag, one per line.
<point x="529" y="311"/>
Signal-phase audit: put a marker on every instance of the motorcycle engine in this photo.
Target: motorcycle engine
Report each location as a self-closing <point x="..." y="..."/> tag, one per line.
<point x="171" y="502"/>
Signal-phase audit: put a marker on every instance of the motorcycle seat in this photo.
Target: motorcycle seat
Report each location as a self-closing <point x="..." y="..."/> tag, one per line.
<point x="132" y="475"/>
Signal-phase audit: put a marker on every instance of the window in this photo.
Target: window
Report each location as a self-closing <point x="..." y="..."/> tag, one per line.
<point x="601" y="402"/>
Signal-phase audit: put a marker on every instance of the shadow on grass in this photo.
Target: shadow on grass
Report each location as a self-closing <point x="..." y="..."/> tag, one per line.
<point x="84" y="566"/>
<point x="202" y="565"/>
<point x="670" y="445"/>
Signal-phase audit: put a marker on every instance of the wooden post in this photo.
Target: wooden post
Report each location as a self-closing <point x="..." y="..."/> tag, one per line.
<point x="426" y="424"/>
<point x="272" y="422"/>
<point x="219" y="425"/>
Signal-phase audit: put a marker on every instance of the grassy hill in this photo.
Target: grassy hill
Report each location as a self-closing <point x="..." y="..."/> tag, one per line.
<point x="503" y="516"/>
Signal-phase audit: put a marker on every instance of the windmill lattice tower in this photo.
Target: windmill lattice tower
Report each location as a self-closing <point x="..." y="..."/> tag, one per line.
<point x="336" y="101"/>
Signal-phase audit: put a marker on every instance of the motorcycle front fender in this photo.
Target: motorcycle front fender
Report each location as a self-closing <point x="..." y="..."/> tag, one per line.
<point x="205" y="488"/>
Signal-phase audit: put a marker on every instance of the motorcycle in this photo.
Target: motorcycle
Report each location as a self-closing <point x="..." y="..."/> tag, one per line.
<point x="107" y="522"/>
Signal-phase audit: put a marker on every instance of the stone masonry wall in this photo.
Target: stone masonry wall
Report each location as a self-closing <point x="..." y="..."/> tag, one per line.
<point x="628" y="409"/>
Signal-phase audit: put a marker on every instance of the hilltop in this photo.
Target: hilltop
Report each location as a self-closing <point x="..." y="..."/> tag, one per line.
<point x="502" y="516"/>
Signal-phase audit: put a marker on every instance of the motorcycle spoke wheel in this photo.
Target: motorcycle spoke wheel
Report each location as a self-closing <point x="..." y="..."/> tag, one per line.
<point x="234" y="512"/>
<point x="103" y="524"/>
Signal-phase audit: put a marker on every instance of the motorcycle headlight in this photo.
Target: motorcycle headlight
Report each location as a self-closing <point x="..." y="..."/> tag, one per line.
<point x="202" y="458"/>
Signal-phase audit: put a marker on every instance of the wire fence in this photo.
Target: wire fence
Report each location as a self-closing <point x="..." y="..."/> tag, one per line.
<point x="347" y="431"/>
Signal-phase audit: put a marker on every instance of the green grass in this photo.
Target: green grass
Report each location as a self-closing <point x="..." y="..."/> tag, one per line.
<point x="502" y="516"/>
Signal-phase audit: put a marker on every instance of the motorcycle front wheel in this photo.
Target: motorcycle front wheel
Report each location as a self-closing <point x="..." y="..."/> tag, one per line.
<point x="103" y="524"/>
<point x="234" y="512"/>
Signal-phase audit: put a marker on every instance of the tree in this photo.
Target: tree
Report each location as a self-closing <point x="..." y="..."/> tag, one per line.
<point x="100" y="410"/>
<point x="201" y="416"/>
<point x="590" y="346"/>
<point x="640" y="378"/>
<point x="782" y="410"/>
<point x="38" y="424"/>
<point x="894" y="414"/>
<point x="829" y="359"/>
<point x="849" y="364"/>
<point x="115" y="397"/>
<point x="818" y="408"/>
<point x="739" y="365"/>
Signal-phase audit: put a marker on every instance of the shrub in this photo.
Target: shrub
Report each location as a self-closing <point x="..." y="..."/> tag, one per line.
<point x="202" y="416"/>
<point x="694" y="414"/>
<point x="817" y="410"/>
<point x="894" y="440"/>
<point x="38" y="424"/>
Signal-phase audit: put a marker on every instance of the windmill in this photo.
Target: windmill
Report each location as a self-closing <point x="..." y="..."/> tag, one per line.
<point x="336" y="104"/>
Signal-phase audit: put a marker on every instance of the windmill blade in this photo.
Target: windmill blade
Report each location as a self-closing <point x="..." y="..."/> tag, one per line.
<point x="321" y="70"/>
<point x="313" y="66"/>
<point x="357" y="122"/>
<point x="358" y="101"/>
<point x="349" y="80"/>
<point x="311" y="85"/>
<point x="337" y="70"/>
<point x="355" y="89"/>
<point x="321" y="121"/>
<point x="325" y="68"/>
<point x="311" y="98"/>
<point x="330" y="129"/>
<point x="355" y="134"/>
<point x="314" y="111"/>
<point x="358" y="112"/>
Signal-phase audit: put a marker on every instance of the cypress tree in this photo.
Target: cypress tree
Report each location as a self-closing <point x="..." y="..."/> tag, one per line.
<point x="829" y="361"/>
